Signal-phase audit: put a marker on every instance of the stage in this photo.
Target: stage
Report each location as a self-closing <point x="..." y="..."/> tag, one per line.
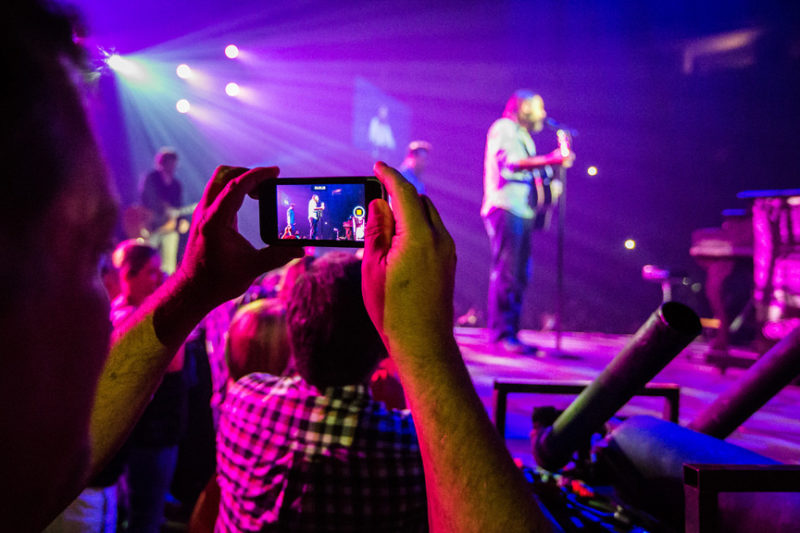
<point x="774" y="431"/>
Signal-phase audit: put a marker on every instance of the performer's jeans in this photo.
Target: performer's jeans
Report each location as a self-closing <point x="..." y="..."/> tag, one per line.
<point x="510" y="239"/>
<point x="313" y="222"/>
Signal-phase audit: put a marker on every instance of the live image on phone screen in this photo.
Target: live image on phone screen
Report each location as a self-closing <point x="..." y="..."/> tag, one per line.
<point x="321" y="211"/>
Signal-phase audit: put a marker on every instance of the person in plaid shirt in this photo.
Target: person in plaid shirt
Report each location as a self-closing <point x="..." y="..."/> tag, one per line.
<point x="313" y="451"/>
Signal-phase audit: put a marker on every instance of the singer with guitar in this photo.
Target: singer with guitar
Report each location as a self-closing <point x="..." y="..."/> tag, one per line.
<point x="315" y="209"/>
<point x="512" y="174"/>
<point x="161" y="196"/>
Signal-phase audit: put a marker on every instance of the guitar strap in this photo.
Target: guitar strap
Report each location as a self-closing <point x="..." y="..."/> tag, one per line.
<point x="540" y="198"/>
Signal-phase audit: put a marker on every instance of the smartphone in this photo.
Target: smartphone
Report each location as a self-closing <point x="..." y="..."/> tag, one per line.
<point x="316" y="211"/>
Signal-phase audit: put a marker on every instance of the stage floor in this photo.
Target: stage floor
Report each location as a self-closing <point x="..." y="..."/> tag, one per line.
<point x="774" y="431"/>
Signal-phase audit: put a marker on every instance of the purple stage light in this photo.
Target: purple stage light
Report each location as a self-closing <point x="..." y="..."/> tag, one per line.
<point x="232" y="89"/>
<point x="183" y="105"/>
<point x="184" y="71"/>
<point x="124" y="66"/>
<point x="232" y="51"/>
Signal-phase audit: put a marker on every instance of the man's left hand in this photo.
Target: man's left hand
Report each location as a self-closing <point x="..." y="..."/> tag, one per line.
<point x="219" y="262"/>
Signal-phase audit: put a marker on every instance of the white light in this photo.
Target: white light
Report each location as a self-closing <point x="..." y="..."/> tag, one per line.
<point x="232" y="89"/>
<point x="232" y="51"/>
<point x="124" y="66"/>
<point x="630" y="244"/>
<point x="184" y="71"/>
<point x="592" y="171"/>
<point x="183" y="105"/>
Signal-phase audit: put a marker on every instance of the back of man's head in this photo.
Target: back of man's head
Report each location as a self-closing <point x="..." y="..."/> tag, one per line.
<point x="333" y="341"/>
<point x="257" y="339"/>
<point x="43" y="122"/>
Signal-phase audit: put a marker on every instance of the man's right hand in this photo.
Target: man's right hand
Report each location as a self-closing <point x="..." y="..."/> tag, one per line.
<point x="557" y="158"/>
<point x="408" y="267"/>
<point x="218" y="260"/>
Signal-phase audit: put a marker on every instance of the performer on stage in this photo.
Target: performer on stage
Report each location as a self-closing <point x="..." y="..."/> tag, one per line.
<point x="415" y="162"/>
<point x="315" y="209"/>
<point x="511" y="167"/>
<point x="161" y="194"/>
<point x="291" y="221"/>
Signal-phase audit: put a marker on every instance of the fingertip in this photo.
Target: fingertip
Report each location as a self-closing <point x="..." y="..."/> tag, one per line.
<point x="379" y="225"/>
<point x="265" y="174"/>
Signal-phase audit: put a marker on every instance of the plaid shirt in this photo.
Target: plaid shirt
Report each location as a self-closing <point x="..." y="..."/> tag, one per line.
<point x="291" y="457"/>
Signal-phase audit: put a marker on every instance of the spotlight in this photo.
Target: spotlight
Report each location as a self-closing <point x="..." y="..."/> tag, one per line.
<point x="232" y="51"/>
<point x="183" y="105"/>
<point x="630" y="244"/>
<point x="184" y="71"/>
<point x="232" y="89"/>
<point x="124" y="66"/>
<point x="592" y="171"/>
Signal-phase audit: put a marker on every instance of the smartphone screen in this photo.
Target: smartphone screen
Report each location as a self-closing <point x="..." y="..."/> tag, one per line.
<point x="316" y="211"/>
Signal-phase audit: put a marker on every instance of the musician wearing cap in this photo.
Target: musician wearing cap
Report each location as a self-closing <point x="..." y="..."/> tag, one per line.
<point x="511" y="170"/>
<point x="415" y="162"/>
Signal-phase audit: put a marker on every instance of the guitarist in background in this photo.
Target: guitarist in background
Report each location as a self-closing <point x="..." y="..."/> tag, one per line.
<point x="161" y="194"/>
<point x="512" y="173"/>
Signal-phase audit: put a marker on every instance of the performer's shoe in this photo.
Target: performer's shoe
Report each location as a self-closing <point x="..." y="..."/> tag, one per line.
<point x="514" y="345"/>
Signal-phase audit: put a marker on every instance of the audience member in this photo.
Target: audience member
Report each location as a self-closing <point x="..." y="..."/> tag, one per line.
<point x="313" y="450"/>
<point x="70" y="402"/>
<point x="152" y="449"/>
<point x="215" y="326"/>
<point x="258" y="340"/>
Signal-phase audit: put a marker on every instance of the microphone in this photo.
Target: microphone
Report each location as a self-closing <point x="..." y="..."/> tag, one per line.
<point x="553" y="124"/>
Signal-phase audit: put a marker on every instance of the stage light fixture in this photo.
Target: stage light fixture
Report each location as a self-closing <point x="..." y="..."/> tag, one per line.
<point x="124" y="66"/>
<point x="183" y="105"/>
<point x="232" y="89"/>
<point x="184" y="71"/>
<point x="592" y="170"/>
<point x="630" y="244"/>
<point x="232" y="51"/>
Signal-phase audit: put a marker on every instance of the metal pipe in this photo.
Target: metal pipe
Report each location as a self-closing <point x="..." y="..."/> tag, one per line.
<point x="771" y="373"/>
<point x="665" y="334"/>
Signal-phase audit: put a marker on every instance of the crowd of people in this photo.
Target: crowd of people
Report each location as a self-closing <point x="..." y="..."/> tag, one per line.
<point x="76" y="393"/>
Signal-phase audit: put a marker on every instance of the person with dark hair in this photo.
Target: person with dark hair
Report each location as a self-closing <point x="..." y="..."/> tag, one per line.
<point x="313" y="450"/>
<point x="152" y="448"/>
<point x="415" y="163"/>
<point x="69" y="401"/>
<point x="511" y="168"/>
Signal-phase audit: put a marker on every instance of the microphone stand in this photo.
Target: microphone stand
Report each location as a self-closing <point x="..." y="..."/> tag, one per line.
<point x="562" y="206"/>
<point x="562" y="217"/>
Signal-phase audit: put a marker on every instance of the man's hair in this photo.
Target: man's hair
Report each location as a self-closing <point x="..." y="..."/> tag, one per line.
<point x="257" y="339"/>
<point x="131" y="256"/>
<point x="164" y="154"/>
<point x="512" y="106"/>
<point x="44" y="124"/>
<point x="333" y="341"/>
<point x="43" y="128"/>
